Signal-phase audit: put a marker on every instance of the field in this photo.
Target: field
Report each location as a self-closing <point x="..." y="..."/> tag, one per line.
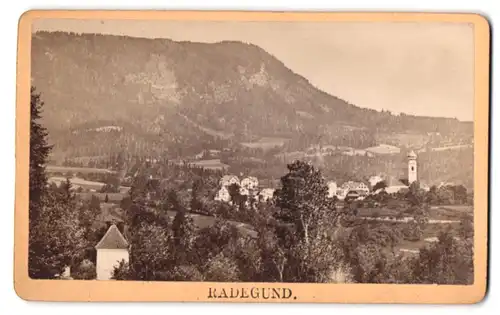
<point x="265" y="143"/>
<point x="86" y="184"/>
<point x="85" y="160"/>
<point x="453" y="147"/>
<point x="214" y="164"/>
<point x="384" y="149"/>
<point x="83" y="170"/>
<point x="403" y="139"/>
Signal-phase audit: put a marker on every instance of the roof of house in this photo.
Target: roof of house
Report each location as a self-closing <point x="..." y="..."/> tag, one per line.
<point x="412" y="154"/>
<point x="113" y="239"/>
<point x="250" y="179"/>
<point x="227" y="178"/>
<point x="267" y="191"/>
<point x="395" y="188"/>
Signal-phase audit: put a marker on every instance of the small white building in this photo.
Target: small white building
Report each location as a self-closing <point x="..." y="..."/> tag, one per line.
<point x="266" y="194"/>
<point x="226" y="181"/>
<point x="111" y="250"/>
<point x="395" y="189"/>
<point x="223" y="195"/>
<point x="245" y="192"/>
<point x="332" y="188"/>
<point x="359" y="187"/>
<point x="357" y="152"/>
<point x="425" y="187"/>
<point x="250" y="183"/>
<point x="342" y="193"/>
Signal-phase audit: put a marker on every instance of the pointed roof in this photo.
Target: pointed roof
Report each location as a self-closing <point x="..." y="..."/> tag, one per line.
<point x="412" y="155"/>
<point x="113" y="239"/>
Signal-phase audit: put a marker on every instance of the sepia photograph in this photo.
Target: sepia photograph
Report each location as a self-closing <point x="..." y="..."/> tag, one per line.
<point x="219" y="151"/>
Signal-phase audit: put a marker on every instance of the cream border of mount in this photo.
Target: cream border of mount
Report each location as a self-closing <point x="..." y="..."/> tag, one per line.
<point x="93" y="290"/>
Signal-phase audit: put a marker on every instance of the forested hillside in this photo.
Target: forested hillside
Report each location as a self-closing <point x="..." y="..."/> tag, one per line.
<point x="107" y="95"/>
<point x="158" y="92"/>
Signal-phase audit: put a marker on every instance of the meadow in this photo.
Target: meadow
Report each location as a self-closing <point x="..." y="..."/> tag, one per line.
<point x="84" y="170"/>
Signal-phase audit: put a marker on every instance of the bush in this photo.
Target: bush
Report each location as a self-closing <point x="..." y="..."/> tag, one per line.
<point x="122" y="271"/>
<point x="84" y="271"/>
<point x="221" y="269"/>
<point x="449" y="261"/>
<point x="186" y="273"/>
<point x="412" y="232"/>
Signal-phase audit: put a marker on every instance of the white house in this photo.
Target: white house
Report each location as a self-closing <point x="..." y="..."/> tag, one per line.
<point x="244" y="191"/>
<point x="225" y="182"/>
<point x="332" y="188"/>
<point x="395" y="188"/>
<point x="359" y="187"/>
<point x="342" y="193"/>
<point x="250" y="183"/>
<point x="111" y="250"/>
<point x="228" y="180"/>
<point x="249" y="187"/>
<point x="266" y="194"/>
<point x="357" y="152"/>
<point x="223" y="195"/>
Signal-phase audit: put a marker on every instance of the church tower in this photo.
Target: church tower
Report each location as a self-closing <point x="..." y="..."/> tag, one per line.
<point x="412" y="167"/>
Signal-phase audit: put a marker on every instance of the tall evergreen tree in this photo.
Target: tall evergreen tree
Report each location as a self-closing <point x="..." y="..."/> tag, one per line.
<point x="195" y="191"/>
<point x="55" y="236"/>
<point x="87" y="216"/>
<point x="184" y="234"/>
<point x="39" y="152"/>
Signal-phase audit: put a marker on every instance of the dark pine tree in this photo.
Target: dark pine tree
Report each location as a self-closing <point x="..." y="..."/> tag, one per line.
<point x="183" y="230"/>
<point x="39" y="152"/>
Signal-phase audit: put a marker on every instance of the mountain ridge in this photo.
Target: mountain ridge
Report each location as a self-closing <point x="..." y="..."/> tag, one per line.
<point x="229" y="87"/>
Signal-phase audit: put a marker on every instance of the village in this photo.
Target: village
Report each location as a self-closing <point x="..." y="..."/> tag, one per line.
<point x="113" y="247"/>
<point x="249" y="186"/>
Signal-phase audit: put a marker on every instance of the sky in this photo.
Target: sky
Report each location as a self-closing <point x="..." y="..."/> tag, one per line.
<point x="423" y="68"/>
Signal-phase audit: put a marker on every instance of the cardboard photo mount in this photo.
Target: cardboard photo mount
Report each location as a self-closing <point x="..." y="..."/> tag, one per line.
<point x="95" y="290"/>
